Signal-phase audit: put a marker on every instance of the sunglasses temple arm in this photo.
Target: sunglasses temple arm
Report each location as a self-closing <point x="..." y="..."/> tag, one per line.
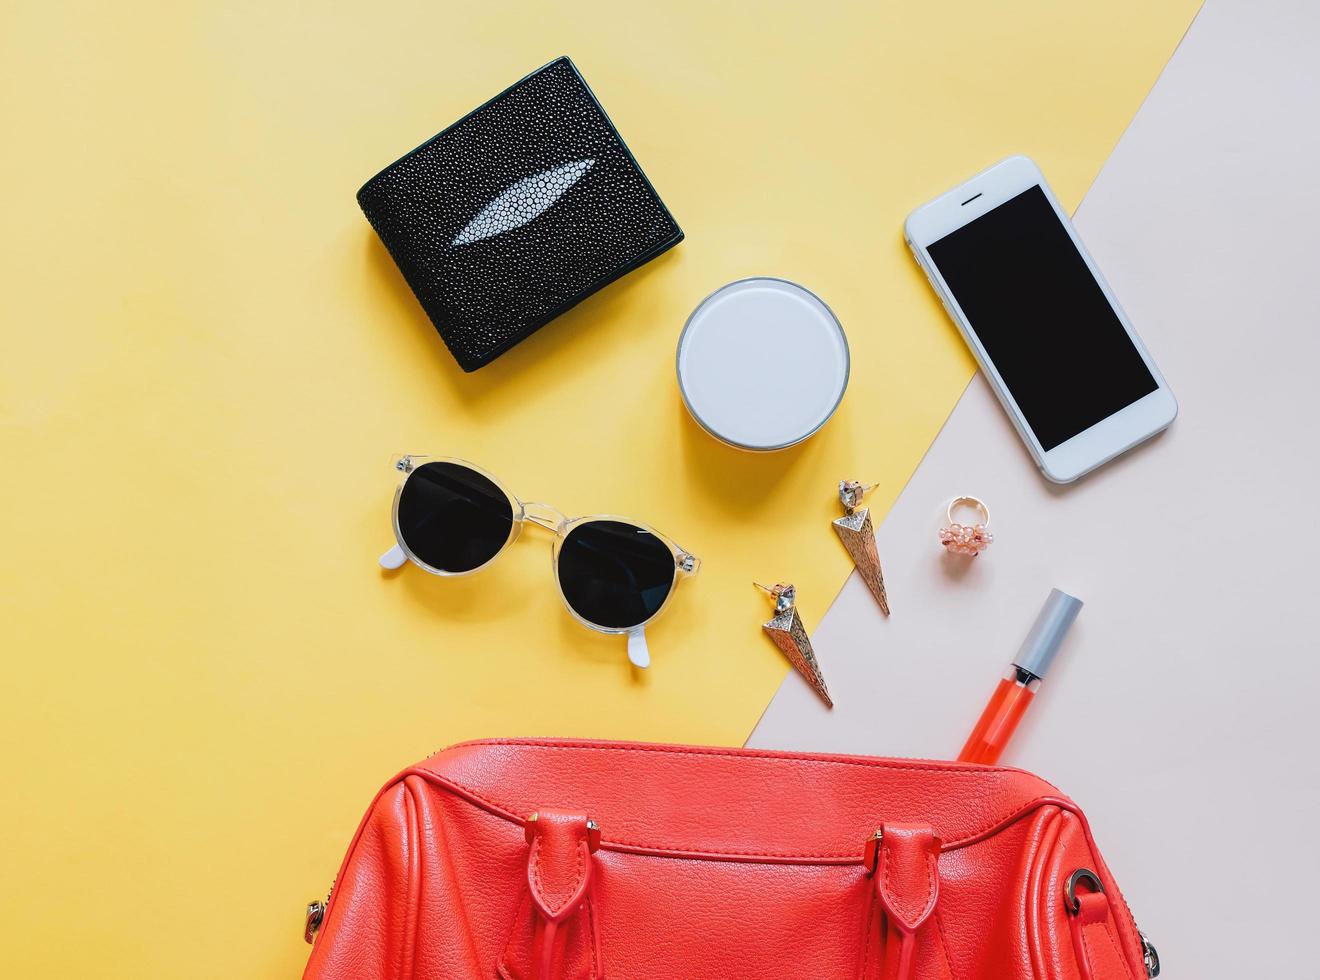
<point x="637" y="649"/>
<point x="394" y="558"/>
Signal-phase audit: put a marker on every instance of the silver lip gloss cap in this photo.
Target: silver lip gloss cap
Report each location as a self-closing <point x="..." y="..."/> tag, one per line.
<point x="1042" y="643"/>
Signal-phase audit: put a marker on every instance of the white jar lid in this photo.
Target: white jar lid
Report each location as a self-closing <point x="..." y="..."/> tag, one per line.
<point x="762" y="363"/>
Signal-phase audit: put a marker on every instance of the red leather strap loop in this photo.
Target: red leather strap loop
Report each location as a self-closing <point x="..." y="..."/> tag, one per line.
<point x="1097" y="951"/>
<point x="903" y="863"/>
<point x="559" y="862"/>
<point x="907" y="877"/>
<point x="559" y="869"/>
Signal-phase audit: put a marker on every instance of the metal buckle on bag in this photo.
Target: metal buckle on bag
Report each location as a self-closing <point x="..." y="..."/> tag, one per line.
<point x="1070" y="901"/>
<point x="1149" y="954"/>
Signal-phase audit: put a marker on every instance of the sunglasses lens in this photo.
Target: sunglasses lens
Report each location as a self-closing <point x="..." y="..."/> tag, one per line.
<point x="614" y="574"/>
<point x="453" y="518"/>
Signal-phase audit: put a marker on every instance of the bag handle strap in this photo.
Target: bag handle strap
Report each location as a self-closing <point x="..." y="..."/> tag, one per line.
<point x="1087" y="905"/>
<point x="903" y="863"/>
<point x="902" y="860"/>
<point x="559" y="871"/>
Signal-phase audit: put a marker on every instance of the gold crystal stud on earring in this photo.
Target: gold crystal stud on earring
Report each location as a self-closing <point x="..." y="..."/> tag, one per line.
<point x="858" y="536"/>
<point x="790" y="636"/>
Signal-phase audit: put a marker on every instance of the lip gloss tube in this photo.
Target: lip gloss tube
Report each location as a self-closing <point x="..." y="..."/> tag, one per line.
<point x="1021" y="680"/>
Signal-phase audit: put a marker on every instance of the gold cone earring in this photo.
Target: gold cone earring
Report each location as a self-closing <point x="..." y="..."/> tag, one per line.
<point x="790" y="635"/>
<point x="858" y="536"/>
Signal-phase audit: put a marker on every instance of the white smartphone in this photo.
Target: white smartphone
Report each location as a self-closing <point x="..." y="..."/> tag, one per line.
<point x="1040" y="319"/>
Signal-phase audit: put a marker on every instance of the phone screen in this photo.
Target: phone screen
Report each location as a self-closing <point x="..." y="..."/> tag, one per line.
<point x="1042" y="318"/>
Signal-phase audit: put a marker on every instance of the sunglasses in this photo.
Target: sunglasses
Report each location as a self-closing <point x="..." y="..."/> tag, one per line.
<point x="614" y="574"/>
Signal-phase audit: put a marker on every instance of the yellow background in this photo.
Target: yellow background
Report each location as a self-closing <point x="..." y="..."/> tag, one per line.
<point x="208" y="361"/>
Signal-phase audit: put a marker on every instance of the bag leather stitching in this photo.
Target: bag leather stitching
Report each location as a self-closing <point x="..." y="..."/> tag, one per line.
<point x="1116" y="899"/>
<point x="552" y="906"/>
<point x="1086" y="943"/>
<point x="1117" y="952"/>
<point x="944" y="944"/>
<point x="930" y="886"/>
<point x="411" y="840"/>
<point x="870" y="937"/>
<point x="591" y="936"/>
<point x="523" y="910"/>
<point x="1104" y="929"/>
<point x="670" y="851"/>
<point x="951" y="770"/>
<point x="1047" y="832"/>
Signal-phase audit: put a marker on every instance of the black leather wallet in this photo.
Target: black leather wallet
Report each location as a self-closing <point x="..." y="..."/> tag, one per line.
<point x="516" y="213"/>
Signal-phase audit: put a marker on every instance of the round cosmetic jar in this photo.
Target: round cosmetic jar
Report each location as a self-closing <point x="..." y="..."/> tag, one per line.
<point x="762" y="364"/>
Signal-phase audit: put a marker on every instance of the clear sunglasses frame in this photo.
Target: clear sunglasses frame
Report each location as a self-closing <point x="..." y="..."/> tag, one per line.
<point x="551" y="519"/>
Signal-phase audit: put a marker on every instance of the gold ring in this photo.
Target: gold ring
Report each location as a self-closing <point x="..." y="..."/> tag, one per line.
<point x="976" y="503"/>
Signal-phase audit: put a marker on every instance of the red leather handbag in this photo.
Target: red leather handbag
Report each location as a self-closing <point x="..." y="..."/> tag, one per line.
<point x="531" y="860"/>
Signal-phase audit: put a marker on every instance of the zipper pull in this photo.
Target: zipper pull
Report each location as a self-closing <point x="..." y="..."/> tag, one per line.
<point x="315" y="915"/>
<point x="1150" y="956"/>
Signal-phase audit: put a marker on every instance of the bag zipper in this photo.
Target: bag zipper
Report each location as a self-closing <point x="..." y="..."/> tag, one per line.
<point x="316" y="914"/>
<point x="1150" y="956"/>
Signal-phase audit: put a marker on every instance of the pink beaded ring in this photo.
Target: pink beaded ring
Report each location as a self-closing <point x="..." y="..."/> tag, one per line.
<point x="967" y="539"/>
